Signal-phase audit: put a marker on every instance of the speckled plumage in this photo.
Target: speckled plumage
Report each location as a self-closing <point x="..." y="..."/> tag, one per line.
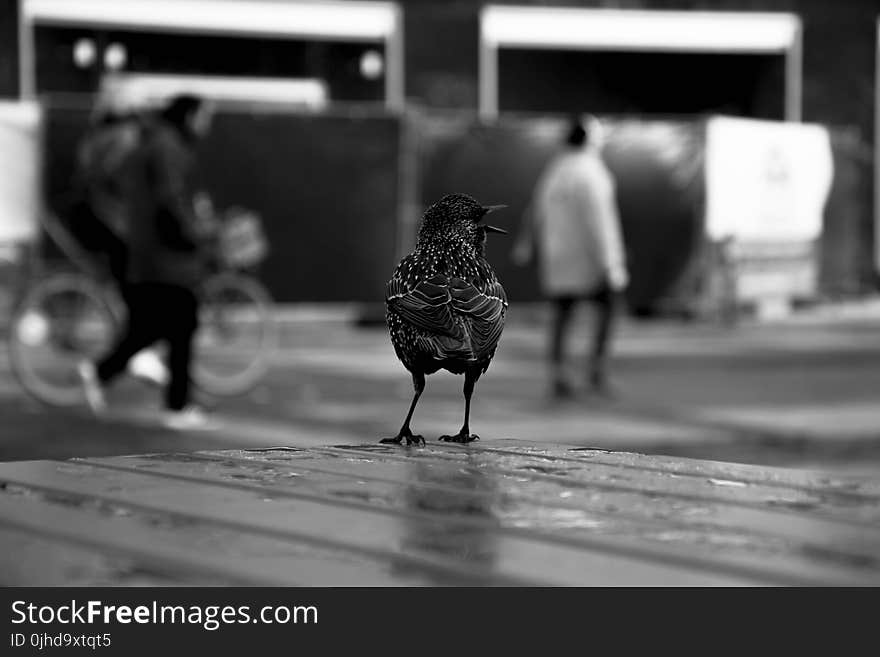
<point x="444" y="305"/>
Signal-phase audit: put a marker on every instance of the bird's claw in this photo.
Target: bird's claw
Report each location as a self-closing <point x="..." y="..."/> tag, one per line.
<point x="398" y="439"/>
<point x="460" y="438"/>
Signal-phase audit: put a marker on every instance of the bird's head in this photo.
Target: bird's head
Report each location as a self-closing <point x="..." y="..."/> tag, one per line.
<point x="458" y="218"/>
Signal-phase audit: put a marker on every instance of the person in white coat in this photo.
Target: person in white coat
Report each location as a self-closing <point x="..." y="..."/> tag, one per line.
<point x="574" y="229"/>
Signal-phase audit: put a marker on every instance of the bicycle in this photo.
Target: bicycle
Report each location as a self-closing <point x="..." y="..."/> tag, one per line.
<point x="66" y="316"/>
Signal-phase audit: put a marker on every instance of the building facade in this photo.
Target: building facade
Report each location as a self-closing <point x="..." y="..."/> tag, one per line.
<point x="427" y="54"/>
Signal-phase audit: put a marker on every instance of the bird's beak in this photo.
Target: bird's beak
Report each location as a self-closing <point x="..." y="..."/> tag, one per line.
<point x="492" y="208"/>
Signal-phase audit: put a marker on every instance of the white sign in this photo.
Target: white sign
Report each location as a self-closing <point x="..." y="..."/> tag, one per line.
<point x="20" y="175"/>
<point x="766" y="180"/>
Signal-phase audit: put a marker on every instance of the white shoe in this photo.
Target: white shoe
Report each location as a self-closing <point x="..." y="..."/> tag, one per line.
<point x="191" y="418"/>
<point x="92" y="387"/>
<point x="147" y="365"/>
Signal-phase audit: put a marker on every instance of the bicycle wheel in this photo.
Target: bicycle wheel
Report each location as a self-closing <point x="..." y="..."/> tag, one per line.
<point x="237" y="335"/>
<point x="61" y="320"/>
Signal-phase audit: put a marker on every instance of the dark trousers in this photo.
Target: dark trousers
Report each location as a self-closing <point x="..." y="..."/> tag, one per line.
<point x="604" y="301"/>
<point x="157" y="311"/>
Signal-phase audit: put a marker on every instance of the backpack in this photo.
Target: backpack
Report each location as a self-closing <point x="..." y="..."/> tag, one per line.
<point x="102" y="158"/>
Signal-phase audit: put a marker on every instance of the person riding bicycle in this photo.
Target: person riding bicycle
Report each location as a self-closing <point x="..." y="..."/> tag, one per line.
<point x="169" y="245"/>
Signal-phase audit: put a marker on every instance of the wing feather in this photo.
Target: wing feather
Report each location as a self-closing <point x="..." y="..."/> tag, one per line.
<point x="453" y="318"/>
<point x="426" y="306"/>
<point x="485" y="311"/>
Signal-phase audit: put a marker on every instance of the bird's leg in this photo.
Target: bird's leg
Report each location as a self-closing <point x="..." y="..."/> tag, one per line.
<point x="465" y="436"/>
<point x="405" y="432"/>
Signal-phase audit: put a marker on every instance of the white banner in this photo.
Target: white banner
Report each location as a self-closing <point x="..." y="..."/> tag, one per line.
<point x="767" y="184"/>
<point x="20" y="171"/>
<point x="766" y="180"/>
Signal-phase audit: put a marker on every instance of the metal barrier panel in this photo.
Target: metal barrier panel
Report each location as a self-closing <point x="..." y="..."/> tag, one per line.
<point x="325" y="185"/>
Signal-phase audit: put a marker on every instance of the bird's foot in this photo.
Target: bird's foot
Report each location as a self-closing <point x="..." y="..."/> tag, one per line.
<point x="461" y="437"/>
<point x="405" y="434"/>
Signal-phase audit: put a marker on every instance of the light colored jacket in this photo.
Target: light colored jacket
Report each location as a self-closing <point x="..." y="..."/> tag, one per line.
<point x="576" y="226"/>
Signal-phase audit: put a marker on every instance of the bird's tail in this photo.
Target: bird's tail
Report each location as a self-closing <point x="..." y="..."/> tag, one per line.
<point x="447" y="347"/>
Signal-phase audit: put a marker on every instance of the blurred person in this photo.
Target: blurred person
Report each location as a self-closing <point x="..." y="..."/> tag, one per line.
<point x="169" y="247"/>
<point x="99" y="214"/>
<point x="99" y="217"/>
<point x="573" y="227"/>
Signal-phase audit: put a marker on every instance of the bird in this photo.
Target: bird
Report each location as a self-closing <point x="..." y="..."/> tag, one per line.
<point x="444" y="305"/>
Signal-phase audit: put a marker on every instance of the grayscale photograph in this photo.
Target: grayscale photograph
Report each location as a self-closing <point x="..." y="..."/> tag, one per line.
<point x="466" y="293"/>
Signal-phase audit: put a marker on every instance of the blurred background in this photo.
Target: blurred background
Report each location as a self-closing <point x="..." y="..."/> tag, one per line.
<point x="741" y="134"/>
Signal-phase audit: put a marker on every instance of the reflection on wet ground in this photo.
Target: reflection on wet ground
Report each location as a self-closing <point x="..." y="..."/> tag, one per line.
<point x="497" y="513"/>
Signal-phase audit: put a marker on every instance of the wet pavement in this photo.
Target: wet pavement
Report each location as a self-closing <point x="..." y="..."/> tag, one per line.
<point x="729" y="457"/>
<point x="509" y="513"/>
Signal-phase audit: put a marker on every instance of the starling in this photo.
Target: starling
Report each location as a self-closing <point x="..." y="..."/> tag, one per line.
<point x="444" y="305"/>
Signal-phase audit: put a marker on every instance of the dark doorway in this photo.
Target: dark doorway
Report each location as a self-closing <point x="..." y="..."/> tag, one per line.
<point x="642" y="83"/>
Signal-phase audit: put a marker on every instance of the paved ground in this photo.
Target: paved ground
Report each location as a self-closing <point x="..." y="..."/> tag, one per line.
<point x="499" y="512"/>
<point x="799" y="394"/>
